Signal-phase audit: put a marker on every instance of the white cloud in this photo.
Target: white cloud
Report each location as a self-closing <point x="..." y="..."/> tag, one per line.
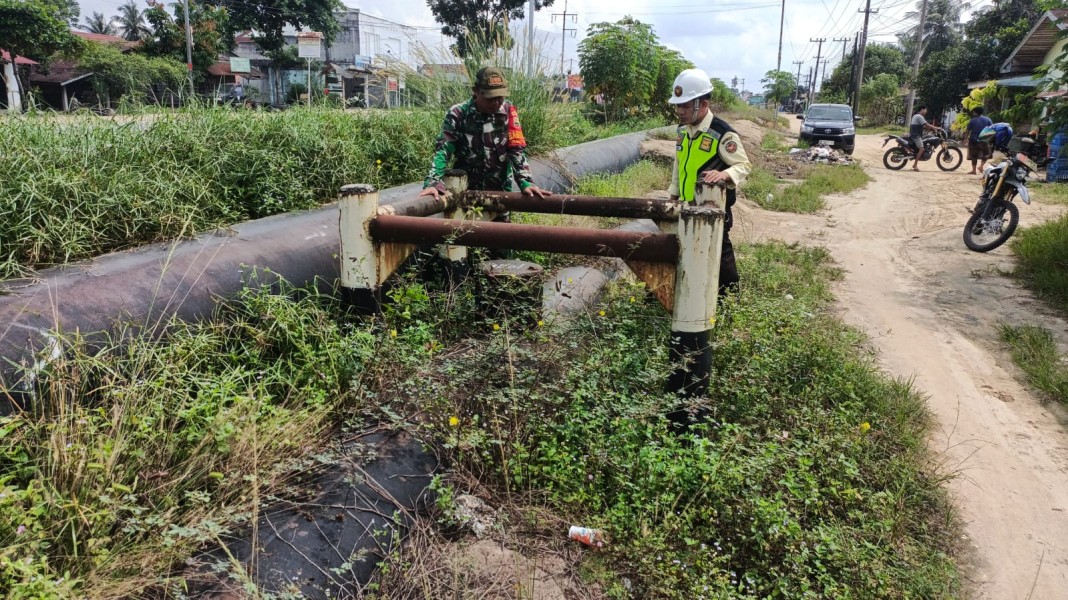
<point x="728" y="38"/>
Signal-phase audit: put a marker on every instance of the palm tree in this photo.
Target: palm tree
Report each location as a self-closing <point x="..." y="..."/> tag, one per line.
<point x="942" y="27"/>
<point x="131" y="20"/>
<point x="98" y="23"/>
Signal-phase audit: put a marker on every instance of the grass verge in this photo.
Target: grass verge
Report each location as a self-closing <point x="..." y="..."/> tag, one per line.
<point x="812" y="478"/>
<point x="76" y="188"/>
<point x="1043" y="260"/>
<point x="766" y="190"/>
<point x="1035" y="352"/>
<point x="1052" y="193"/>
<point x="882" y="129"/>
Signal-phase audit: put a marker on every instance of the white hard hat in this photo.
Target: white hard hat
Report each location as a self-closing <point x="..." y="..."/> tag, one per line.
<point x="690" y="84"/>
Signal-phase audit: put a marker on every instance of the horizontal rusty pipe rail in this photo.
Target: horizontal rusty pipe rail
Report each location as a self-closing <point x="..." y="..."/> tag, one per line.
<point x="650" y="247"/>
<point x="566" y="204"/>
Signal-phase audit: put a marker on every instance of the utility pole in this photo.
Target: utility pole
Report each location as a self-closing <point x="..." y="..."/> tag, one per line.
<point x="916" y="62"/>
<point x="189" y="49"/>
<point x="782" y="20"/>
<point x="853" y="68"/>
<point x="863" y="51"/>
<point x="530" y="38"/>
<point x="797" y="82"/>
<point x="819" y="53"/>
<point x="563" y="33"/>
<point x="844" y="41"/>
<point x="811" y="81"/>
<point x="823" y="75"/>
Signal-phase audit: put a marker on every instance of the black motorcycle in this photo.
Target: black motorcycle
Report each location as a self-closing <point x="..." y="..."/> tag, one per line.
<point x="995" y="217"/>
<point x="947" y="151"/>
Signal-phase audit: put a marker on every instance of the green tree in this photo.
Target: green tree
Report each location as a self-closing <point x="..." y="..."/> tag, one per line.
<point x="620" y="61"/>
<point x="168" y="40"/>
<point x="98" y="23"/>
<point x="482" y="20"/>
<point x="942" y="28"/>
<point x="671" y="63"/>
<point x="131" y="75"/>
<point x="723" y="96"/>
<point x="778" y="86"/>
<point x="880" y="99"/>
<point x="131" y="20"/>
<point x="878" y="60"/>
<point x="37" y="29"/>
<point x="267" y="18"/>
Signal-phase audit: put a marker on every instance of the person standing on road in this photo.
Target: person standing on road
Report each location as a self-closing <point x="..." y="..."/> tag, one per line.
<point x="978" y="150"/>
<point x="485" y="138"/>
<point x="917" y="128"/>
<point x="708" y="149"/>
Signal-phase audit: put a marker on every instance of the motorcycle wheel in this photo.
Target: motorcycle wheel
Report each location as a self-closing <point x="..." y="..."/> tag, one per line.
<point x="895" y="159"/>
<point x="949" y="159"/>
<point x="991" y="226"/>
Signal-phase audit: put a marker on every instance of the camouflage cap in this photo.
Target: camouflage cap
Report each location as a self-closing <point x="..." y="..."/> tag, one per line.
<point x="492" y="82"/>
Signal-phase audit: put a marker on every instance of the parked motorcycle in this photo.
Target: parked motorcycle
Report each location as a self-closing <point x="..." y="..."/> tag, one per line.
<point x="995" y="217"/>
<point x="1038" y="151"/>
<point x="947" y="152"/>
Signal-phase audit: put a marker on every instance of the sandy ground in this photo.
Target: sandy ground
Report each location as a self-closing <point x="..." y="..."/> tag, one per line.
<point x="930" y="307"/>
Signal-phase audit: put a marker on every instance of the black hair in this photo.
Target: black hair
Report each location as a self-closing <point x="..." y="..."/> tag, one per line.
<point x="921" y="107"/>
<point x="977" y="111"/>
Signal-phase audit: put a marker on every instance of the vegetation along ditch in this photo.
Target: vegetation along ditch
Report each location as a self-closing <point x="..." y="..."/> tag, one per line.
<point x="812" y="479"/>
<point x="76" y="188"/>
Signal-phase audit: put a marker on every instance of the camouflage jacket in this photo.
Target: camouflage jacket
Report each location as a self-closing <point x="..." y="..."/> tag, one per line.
<point x="490" y="148"/>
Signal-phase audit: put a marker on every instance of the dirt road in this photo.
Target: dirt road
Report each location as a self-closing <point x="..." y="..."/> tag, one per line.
<point x="931" y="307"/>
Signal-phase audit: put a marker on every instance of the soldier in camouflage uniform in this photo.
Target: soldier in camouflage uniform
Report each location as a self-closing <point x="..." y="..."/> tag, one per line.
<point x="486" y="139"/>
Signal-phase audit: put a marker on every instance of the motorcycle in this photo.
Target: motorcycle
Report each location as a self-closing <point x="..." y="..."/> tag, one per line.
<point x="949" y="157"/>
<point x="995" y="217"/>
<point x="1039" y="151"/>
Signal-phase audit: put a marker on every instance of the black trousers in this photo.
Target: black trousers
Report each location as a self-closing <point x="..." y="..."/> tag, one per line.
<point x="728" y="268"/>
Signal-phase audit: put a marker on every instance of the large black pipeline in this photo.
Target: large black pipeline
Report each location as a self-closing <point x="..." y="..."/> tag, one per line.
<point x="154" y="283"/>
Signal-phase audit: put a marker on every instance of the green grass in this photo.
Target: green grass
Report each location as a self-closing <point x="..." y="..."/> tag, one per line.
<point x="1052" y="193"/>
<point x="774" y="141"/>
<point x="1035" y="352"/>
<point x="882" y="129"/>
<point x="807" y="196"/>
<point x="812" y="478"/>
<point x="760" y="116"/>
<point x="72" y="189"/>
<point x="634" y="182"/>
<point x="1043" y="260"/>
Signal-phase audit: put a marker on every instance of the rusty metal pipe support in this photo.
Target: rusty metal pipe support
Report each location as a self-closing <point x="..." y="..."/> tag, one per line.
<point x="567" y="204"/>
<point x="651" y="247"/>
<point x="700" y="239"/>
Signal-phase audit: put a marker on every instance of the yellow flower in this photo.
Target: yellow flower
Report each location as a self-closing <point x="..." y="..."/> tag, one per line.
<point x="378" y="162"/>
<point x="540" y="323"/>
<point x="865" y="426"/>
<point x="632" y="298"/>
<point x="392" y="333"/>
<point x="454" y="421"/>
<point x="496" y="327"/>
<point x="601" y="313"/>
<point x="712" y="320"/>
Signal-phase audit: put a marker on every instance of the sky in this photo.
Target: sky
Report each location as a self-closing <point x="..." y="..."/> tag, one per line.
<point x="727" y="38"/>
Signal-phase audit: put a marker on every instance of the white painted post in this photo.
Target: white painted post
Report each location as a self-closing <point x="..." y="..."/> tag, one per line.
<point x="455" y="185"/>
<point x="696" y="285"/>
<point x="358" y="205"/>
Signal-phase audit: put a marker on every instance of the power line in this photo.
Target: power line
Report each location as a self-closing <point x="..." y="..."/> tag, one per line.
<point x="563" y="33"/>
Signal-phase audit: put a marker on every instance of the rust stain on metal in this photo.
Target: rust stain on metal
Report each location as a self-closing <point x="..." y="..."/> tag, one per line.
<point x="659" y="278"/>
<point x="389" y="257"/>
<point x="567" y="204"/>
<point x="650" y="247"/>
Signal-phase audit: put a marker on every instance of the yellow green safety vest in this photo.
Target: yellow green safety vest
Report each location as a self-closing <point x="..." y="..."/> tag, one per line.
<point x="695" y="155"/>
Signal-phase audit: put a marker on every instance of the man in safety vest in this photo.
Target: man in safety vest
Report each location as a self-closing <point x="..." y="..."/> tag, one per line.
<point x="710" y="150"/>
